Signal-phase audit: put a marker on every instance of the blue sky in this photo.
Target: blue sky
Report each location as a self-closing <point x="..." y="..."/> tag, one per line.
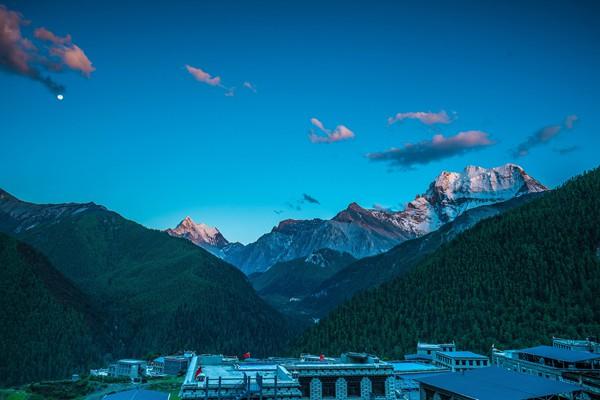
<point x="144" y="137"/>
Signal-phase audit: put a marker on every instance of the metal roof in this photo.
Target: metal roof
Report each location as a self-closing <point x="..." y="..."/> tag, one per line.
<point x="556" y="353"/>
<point x="138" y="394"/>
<point x="493" y="383"/>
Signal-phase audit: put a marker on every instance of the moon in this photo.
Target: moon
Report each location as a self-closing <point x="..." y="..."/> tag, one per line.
<point x="60" y="97"/>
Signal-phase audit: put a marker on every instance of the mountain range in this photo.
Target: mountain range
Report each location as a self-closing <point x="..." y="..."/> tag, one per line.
<point x="513" y="280"/>
<point x="364" y="232"/>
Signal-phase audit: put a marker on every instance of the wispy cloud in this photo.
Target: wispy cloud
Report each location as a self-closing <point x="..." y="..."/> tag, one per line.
<point x="310" y="199"/>
<point x="73" y="57"/>
<point x="439" y="147"/>
<point x="203" y="76"/>
<point x="250" y="86"/>
<point x="298" y="204"/>
<point x="425" y="117"/>
<point x="544" y="136"/>
<point x="566" y="150"/>
<point x="46" y="35"/>
<point x="340" y="133"/>
<point x="19" y="55"/>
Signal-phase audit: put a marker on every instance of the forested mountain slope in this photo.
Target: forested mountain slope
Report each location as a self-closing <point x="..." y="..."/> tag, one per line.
<point x="512" y="280"/>
<point x="48" y="328"/>
<point x="162" y="293"/>
<point x="373" y="271"/>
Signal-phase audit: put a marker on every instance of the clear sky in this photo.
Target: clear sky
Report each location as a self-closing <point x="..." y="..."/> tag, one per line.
<point x="154" y="140"/>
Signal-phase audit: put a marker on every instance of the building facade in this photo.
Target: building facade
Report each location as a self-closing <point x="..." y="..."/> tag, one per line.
<point x="130" y="368"/>
<point x="555" y="363"/>
<point x="352" y="376"/>
<point x="458" y="361"/>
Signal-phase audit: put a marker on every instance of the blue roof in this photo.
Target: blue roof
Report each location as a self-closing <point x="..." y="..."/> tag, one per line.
<point x="137" y="394"/>
<point x="494" y="383"/>
<point x="461" y="354"/>
<point x="418" y="357"/>
<point x="556" y="353"/>
<point x="404" y="366"/>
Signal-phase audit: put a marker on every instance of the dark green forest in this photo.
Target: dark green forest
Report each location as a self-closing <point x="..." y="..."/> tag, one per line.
<point x="159" y="294"/>
<point x="48" y="327"/>
<point x="512" y="280"/>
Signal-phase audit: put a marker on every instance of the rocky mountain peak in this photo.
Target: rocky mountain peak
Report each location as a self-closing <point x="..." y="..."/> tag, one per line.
<point x="198" y="233"/>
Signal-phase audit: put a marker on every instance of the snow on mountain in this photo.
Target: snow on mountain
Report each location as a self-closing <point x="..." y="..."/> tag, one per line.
<point x="201" y="235"/>
<point x="365" y="232"/>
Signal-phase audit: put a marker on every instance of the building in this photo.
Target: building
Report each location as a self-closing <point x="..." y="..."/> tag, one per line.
<point x="555" y="363"/>
<point x="137" y="394"/>
<point x="214" y="377"/>
<point x="353" y="375"/>
<point x="494" y="383"/>
<point x="175" y="365"/>
<point x="425" y="351"/>
<point x="405" y="373"/>
<point x="131" y="368"/>
<point x="458" y="361"/>
<point x="589" y="344"/>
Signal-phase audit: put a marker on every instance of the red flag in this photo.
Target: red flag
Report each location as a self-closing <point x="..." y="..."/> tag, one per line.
<point x="198" y="372"/>
<point x="246" y="355"/>
<point x="322" y="357"/>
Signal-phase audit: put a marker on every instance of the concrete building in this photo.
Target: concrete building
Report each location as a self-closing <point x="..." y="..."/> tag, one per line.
<point x="214" y="377"/>
<point x="555" y="363"/>
<point x="458" y="361"/>
<point x="406" y="373"/>
<point x="131" y="368"/>
<point x="353" y="375"/>
<point x="175" y="365"/>
<point x="425" y="351"/>
<point x="494" y="383"/>
<point x="589" y="344"/>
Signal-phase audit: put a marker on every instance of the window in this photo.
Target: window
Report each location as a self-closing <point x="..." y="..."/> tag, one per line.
<point x="378" y="385"/>
<point x="328" y="386"/>
<point x="305" y="386"/>
<point x="353" y="386"/>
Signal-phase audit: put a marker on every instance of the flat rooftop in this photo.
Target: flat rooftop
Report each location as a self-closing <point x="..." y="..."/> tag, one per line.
<point x="407" y="366"/>
<point x="462" y="354"/>
<point x="556" y="353"/>
<point x="232" y="374"/>
<point x="493" y="383"/>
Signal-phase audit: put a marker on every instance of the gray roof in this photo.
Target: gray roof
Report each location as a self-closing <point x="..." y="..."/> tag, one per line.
<point x="138" y="394"/>
<point x="556" y="353"/>
<point x="493" y="383"/>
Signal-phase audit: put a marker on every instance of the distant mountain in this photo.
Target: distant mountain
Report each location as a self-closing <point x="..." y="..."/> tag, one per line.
<point x="207" y="237"/>
<point x="48" y="328"/>
<point x="287" y="282"/>
<point x="373" y="271"/>
<point x="513" y="280"/>
<point x="161" y="293"/>
<point x="364" y="232"/>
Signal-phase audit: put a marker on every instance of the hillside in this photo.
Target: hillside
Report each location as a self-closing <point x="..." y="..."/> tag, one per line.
<point x="512" y="280"/>
<point x="49" y="329"/>
<point x="162" y="293"/>
<point x="285" y="283"/>
<point x="373" y="271"/>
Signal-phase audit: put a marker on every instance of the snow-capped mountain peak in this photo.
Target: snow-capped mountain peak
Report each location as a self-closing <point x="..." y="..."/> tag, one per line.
<point x="198" y="233"/>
